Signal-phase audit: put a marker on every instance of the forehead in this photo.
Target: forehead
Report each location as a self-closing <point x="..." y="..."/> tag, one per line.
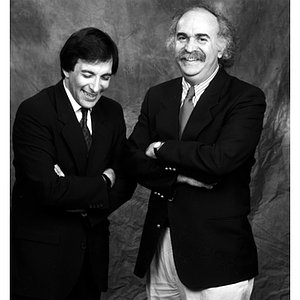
<point x="94" y="67"/>
<point x="198" y="21"/>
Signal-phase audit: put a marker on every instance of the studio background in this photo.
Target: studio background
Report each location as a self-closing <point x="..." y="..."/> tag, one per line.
<point x="39" y="28"/>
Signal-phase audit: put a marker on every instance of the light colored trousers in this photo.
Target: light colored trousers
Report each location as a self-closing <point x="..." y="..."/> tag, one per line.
<point x="163" y="281"/>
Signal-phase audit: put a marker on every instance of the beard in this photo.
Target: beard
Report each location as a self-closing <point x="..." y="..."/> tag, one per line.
<point x="195" y="55"/>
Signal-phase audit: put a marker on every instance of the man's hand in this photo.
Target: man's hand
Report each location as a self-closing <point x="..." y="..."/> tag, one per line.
<point x="110" y="173"/>
<point x="58" y="171"/>
<point x="194" y="182"/>
<point x="150" y="151"/>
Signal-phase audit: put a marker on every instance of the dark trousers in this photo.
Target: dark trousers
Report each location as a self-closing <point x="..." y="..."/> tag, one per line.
<point x="84" y="289"/>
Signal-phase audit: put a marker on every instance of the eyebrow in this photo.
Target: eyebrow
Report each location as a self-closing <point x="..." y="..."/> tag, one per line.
<point x="93" y="73"/>
<point x="198" y="35"/>
<point x="87" y="71"/>
<point x="203" y="35"/>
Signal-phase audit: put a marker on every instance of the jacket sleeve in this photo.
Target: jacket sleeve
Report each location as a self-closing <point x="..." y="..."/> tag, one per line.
<point x="148" y="172"/>
<point x="125" y="184"/>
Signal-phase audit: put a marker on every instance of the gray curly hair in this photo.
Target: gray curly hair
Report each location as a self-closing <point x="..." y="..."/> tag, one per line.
<point x="226" y="34"/>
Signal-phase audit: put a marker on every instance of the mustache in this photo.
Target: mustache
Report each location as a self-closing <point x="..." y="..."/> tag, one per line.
<point x="197" y="55"/>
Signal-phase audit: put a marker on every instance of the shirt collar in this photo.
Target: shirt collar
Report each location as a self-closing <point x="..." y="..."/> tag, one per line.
<point x="74" y="104"/>
<point x="199" y="88"/>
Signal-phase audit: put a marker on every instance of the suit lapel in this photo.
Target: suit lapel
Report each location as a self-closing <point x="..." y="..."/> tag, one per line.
<point x="201" y="115"/>
<point x="100" y="141"/>
<point x="167" y="118"/>
<point x="70" y="128"/>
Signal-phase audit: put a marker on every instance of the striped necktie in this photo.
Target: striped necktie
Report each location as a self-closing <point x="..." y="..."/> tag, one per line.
<point x="85" y="130"/>
<point x="186" y="110"/>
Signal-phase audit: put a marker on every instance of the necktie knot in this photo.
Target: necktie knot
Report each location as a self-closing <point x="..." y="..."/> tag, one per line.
<point x="190" y="94"/>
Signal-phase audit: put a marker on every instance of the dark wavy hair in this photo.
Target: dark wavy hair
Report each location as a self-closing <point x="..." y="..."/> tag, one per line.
<point x="91" y="45"/>
<point x="226" y="34"/>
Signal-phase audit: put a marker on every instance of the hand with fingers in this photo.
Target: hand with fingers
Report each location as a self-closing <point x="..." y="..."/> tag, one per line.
<point x="194" y="182"/>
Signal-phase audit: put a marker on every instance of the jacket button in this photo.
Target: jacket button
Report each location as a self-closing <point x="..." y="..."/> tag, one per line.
<point x="83" y="246"/>
<point x="158" y="225"/>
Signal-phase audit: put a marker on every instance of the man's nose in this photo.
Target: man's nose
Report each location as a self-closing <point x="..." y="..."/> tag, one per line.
<point x="95" y="85"/>
<point x="191" y="45"/>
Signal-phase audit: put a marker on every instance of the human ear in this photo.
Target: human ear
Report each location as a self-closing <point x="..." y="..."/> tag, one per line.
<point x="220" y="53"/>
<point x="67" y="74"/>
<point x="221" y="48"/>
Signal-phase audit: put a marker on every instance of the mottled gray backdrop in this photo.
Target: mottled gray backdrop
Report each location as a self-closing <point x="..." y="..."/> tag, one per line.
<point x="40" y="27"/>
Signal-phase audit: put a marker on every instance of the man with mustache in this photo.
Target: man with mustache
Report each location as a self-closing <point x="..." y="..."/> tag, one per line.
<point x="193" y="146"/>
<point x="68" y="143"/>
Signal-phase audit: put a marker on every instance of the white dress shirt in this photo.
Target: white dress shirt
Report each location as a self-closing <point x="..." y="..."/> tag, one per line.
<point x="199" y="88"/>
<point x="77" y="109"/>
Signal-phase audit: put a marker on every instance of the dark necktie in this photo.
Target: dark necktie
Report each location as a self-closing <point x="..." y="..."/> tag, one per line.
<point x="85" y="130"/>
<point x="186" y="109"/>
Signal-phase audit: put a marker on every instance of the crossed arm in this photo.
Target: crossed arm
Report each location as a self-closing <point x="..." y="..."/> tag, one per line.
<point x="150" y="152"/>
<point x="110" y="173"/>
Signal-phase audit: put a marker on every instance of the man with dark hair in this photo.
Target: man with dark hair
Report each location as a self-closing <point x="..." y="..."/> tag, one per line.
<point x="68" y="143"/>
<point x="193" y="146"/>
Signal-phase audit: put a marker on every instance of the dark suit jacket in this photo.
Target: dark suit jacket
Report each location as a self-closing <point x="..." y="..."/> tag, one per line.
<point x="211" y="237"/>
<point x="48" y="243"/>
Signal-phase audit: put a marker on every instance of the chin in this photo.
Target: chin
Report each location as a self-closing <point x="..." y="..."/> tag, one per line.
<point x="191" y="70"/>
<point x="89" y="104"/>
<point x="191" y="73"/>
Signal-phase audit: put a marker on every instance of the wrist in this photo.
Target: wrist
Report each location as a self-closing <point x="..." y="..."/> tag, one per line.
<point x="157" y="146"/>
<point x="107" y="180"/>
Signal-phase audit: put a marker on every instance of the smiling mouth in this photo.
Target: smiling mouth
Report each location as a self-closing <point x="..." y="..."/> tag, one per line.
<point x="91" y="96"/>
<point x="190" y="59"/>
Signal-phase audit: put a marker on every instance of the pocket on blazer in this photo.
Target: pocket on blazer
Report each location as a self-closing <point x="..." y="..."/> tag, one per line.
<point x="30" y="233"/>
